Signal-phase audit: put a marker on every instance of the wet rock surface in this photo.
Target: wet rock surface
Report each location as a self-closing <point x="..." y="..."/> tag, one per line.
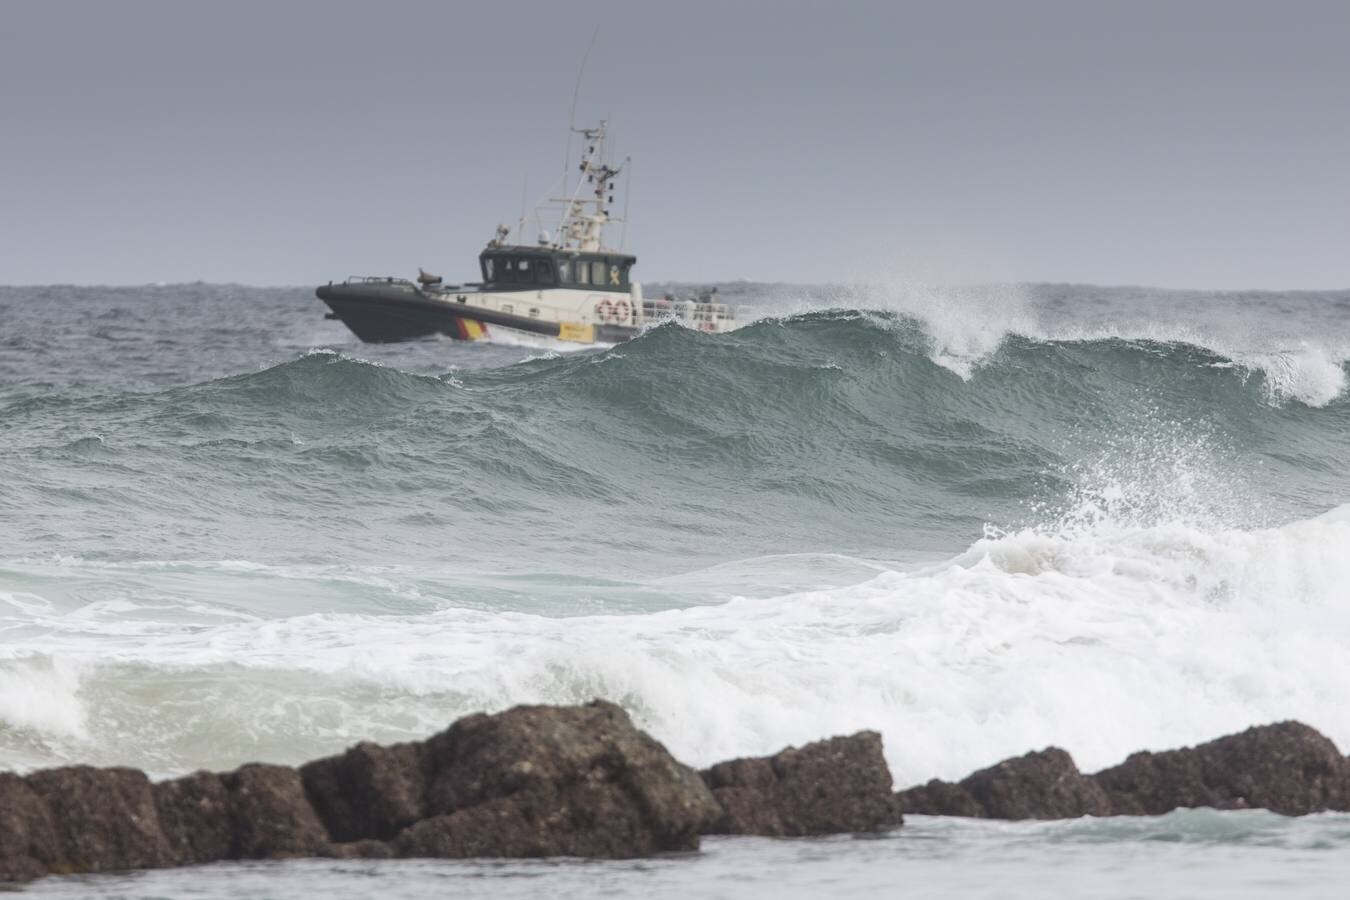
<point x="531" y="781"/>
<point x="369" y="792"/>
<point x="28" y="845"/>
<point x="939" y="798"/>
<point x="548" y="782"/>
<point x="1045" y="784"/>
<point x="832" y="786"/>
<point x="271" y="816"/>
<point x="103" y="819"/>
<point x="1287" y="768"/>
<point x="583" y="781"/>
<point x="194" y="817"/>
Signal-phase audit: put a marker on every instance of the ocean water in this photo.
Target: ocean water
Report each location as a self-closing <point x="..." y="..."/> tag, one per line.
<point x="978" y="520"/>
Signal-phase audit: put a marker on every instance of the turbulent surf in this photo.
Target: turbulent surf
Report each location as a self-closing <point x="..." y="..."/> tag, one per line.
<point x="976" y="520"/>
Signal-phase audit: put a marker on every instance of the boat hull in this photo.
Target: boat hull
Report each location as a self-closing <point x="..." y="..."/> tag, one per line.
<point x="380" y="313"/>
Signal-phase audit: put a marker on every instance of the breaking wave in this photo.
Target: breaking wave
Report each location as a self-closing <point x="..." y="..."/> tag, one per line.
<point x="979" y="521"/>
<point x="1100" y="639"/>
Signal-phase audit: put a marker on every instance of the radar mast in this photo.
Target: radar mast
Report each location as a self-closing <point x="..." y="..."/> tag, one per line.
<point x="586" y="212"/>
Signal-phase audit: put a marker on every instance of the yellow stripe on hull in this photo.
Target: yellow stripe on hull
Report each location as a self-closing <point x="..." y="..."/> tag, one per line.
<point x="575" y="331"/>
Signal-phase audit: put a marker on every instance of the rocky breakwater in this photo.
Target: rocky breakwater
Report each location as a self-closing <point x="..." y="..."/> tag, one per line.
<point x="1287" y="768"/>
<point x="583" y="781"/>
<point x="529" y="782"/>
<point x="829" y="787"/>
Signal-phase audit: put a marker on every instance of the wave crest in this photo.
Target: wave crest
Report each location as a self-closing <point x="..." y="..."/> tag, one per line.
<point x="1100" y="640"/>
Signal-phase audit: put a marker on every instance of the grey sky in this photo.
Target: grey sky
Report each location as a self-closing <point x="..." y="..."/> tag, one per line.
<point x="1189" y="144"/>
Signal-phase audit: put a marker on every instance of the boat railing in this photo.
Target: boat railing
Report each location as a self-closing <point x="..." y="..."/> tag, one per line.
<point x="403" y="283"/>
<point x="470" y="287"/>
<point x="687" y="311"/>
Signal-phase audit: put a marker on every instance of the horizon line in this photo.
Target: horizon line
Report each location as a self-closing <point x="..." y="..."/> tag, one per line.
<point x="737" y="281"/>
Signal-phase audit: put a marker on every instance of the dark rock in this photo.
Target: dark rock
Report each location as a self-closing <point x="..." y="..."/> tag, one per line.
<point x="360" y="850"/>
<point x="271" y="816"/>
<point x="939" y="798"/>
<point x="505" y="827"/>
<point x="195" y="819"/>
<point x="1039" y="785"/>
<point x="28" y="842"/>
<point x="104" y="819"/>
<point x="583" y="781"/>
<point x="368" y="792"/>
<point x="829" y="787"/>
<point x="594" y="820"/>
<point x="579" y="781"/>
<point x="532" y="781"/>
<point x="21" y="868"/>
<point x="1287" y="768"/>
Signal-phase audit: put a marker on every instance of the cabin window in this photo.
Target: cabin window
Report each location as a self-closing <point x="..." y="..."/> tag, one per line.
<point x="598" y="272"/>
<point x="507" y="307"/>
<point x="543" y="273"/>
<point x="534" y="312"/>
<point x="488" y="268"/>
<point x="583" y="272"/>
<point x="523" y="269"/>
<point x="562" y="270"/>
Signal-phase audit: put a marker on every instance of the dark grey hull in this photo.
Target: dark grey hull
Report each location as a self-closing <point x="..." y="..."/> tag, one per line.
<point x="378" y="314"/>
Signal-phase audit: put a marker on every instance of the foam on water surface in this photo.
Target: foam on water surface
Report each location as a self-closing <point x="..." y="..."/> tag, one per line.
<point x="1103" y="640"/>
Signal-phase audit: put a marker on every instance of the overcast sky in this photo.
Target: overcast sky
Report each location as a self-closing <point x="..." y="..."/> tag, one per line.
<point x="1188" y="144"/>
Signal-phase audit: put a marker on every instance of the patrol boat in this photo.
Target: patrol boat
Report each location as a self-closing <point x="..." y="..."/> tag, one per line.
<point x="571" y="288"/>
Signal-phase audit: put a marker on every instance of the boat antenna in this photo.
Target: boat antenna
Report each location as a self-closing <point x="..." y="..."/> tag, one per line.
<point x="572" y="117"/>
<point x="524" y="191"/>
<point x="627" y="192"/>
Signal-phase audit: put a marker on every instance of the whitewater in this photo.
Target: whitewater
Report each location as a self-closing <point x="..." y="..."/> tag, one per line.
<point x="978" y="520"/>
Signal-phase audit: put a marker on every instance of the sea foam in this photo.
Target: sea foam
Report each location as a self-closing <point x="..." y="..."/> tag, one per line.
<point x="1102" y="639"/>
